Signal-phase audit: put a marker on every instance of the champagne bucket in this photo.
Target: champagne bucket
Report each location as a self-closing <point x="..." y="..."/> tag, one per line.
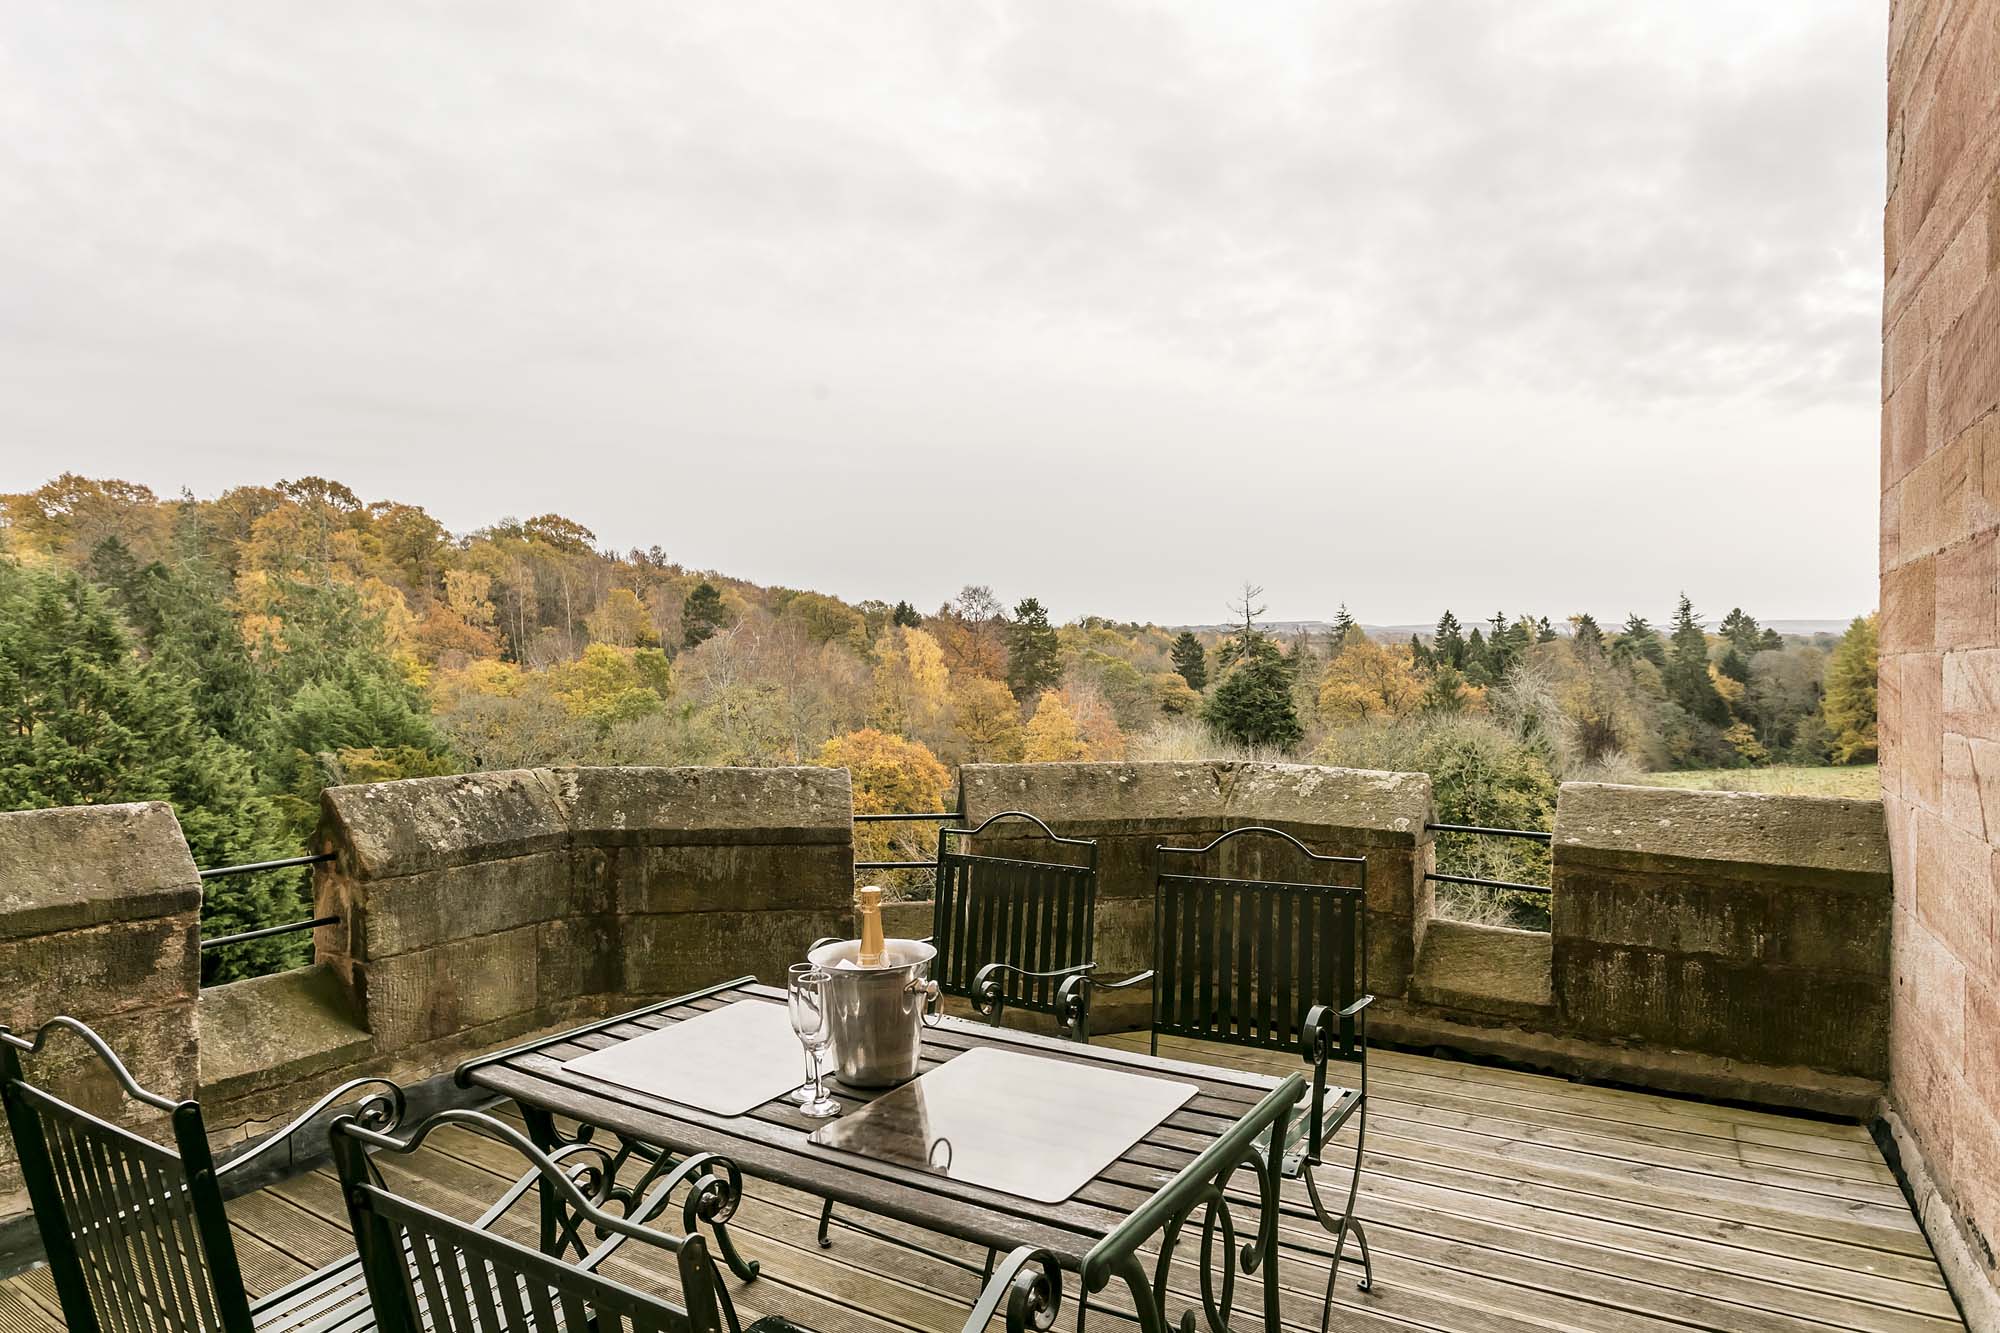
<point x="877" y="1014"/>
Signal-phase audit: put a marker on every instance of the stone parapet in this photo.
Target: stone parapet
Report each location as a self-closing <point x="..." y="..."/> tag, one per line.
<point x="1727" y="923"/>
<point x="1129" y="809"/>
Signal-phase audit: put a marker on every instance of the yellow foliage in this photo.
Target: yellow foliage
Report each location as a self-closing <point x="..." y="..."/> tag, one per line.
<point x="1369" y="680"/>
<point x="912" y="684"/>
<point x="1052" y="735"/>
<point x="1728" y="687"/>
<point x="988" y="719"/>
<point x="620" y="619"/>
<point x="604" y="685"/>
<point x="891" y="775"/>
<point x="468" y="593"/>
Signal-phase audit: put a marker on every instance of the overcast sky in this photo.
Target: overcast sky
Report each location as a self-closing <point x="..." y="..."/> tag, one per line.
<point x="1529" y="305"/>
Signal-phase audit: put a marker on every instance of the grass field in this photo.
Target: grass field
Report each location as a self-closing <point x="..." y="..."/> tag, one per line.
<point x="1856" y="780"/>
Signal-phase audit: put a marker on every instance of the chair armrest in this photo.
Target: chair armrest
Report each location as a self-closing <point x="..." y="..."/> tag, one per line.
<point x="1030" y="1281"/>
<point x="1122" y="983"/>
<point x="1355" y="1008"/>
<point x="989" y="996"/>
<point x="716" y="1189"/>
<point x="381" y="1111"/>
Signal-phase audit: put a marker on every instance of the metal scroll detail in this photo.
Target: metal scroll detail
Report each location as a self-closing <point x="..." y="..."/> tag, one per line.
<point x="1255" y="1142"/>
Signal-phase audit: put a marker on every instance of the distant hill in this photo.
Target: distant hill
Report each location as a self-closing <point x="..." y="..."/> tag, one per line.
<point x="1803" y="628"/>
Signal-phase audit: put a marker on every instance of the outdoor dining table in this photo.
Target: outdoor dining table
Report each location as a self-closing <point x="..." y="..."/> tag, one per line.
<point x="1147" y="1196"/>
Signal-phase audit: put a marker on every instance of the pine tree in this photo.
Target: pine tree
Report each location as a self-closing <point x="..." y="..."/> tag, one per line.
<point x="1640" y="640"/>
<point x="1343" y="626"/>
<point x="88" y="723"/>
<point x="1589" y="637"/>
<point x="1449" y="641"/>
<point x="1253" y="703"/>
<point x="1191" y="660"/>
<point x="1544" y="631"/>
<point x="1445" y="693"/>
<point x="702" y="615"/>
<point x="1687" y="680"/>
<point x="1477" y="659"/>
<point x="1849" y="706"/>
<point x="1420" y="653"/>
<point x="904" y="615"/>
<point x="1034" y="652"/>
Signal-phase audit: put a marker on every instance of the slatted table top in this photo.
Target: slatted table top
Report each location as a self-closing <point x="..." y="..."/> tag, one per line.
<point x="771" y="1143"/>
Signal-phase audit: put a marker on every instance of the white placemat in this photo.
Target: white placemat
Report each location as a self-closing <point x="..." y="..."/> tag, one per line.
<point x="729" y="1061"/>
<point x="1027" y="1125"/>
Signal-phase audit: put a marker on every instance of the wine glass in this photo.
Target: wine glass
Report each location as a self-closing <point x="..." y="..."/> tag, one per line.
<point x="807" y="1002"/>
<point x="802" y="1094"/>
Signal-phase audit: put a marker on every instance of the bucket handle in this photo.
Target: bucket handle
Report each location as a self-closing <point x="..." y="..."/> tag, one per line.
<point x="932" y="1014"/>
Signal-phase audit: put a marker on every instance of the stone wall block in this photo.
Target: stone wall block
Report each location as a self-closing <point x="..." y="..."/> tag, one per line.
<point x="698" y="806"/>
<point x="674" y="952"/>
<point x="756" y="877"/>
<point x="383" y="830"/>
<point x="415" y="997"/>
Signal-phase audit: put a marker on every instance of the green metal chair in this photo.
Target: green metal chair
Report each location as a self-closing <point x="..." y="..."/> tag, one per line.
<point x="1012" y="932"/>
<point x="134" y="1232"/>
<point x="1278" y="965"/>
<point x="430" y="1273"/>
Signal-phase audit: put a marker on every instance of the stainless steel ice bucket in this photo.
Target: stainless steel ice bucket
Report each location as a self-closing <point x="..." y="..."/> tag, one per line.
<point x="877" y="1013"/>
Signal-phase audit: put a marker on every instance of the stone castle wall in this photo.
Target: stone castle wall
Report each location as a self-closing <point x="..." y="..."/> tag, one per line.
<point x="1940" y="637"/>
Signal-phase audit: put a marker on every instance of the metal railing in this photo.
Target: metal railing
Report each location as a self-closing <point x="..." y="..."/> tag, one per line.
<point x="940" y="817"/>
<point x="1480" y="830"/>
<point x="266" y="932"/>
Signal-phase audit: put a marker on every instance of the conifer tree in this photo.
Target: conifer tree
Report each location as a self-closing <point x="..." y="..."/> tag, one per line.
<point x="1849" y="706"/>
<point x="1449" y="641"/>
<point x="702" y="615"/>
<point x="1589" y="637"/>
<point x="1420" y="653"/>
<point x="1034" y="652"/>
<point x="1253" y="703"/>
<point x="905" y="615"/>
<point x="1191" y="660"/>
<point x="1343" y="626"/>
<point x="1640" y="640"/>
<point x="1687" y="680"/>
<point x="88" y="723"/>
<point x="1477" y="659"/>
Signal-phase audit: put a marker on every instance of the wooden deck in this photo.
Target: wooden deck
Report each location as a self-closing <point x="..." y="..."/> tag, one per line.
<point x="1496" y="1202"/>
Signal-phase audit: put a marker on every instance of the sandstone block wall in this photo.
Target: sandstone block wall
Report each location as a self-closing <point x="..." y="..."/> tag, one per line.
<point x="1728" y="923"/>
<point x="99" y="919"/>
<point x="1132" y="808"/>
<point x="1940" y="641"/>
<point x="485" y="904"/>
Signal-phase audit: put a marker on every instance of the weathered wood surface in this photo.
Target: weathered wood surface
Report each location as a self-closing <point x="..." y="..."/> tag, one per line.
<point x="1496" y="1202"/>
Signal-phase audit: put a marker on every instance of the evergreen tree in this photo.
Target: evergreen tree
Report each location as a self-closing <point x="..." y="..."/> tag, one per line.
<point x="1253" y="702"/>
<point x="1449" y="641"/>
<point x="904" y="615"/>
<point x="1343" y="626"/>
<point x="1849" y="706"/>
<point x="1588" y="635"/>
<point x="1477" y="659"/>
<point x="1034" y="652"/>
<point x="1686" y="677"/>
<point x="1544" y="631"/>
<point x="1640" y="640"/>
<point x="702" y="614"/>
<point x="1742" y="631"/>
<point x="87" y="723"/>
<point x="1445" y="693"/>
<point x="1191" y="660"/>
<point x="1420" y="654"/>
<point x="1770" y="641"/>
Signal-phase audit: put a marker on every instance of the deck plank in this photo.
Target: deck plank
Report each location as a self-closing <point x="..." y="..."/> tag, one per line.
<point x="1498" y="1202"/>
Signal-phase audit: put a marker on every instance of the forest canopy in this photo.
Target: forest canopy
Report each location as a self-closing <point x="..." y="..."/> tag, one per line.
<point x="235" y="655"/>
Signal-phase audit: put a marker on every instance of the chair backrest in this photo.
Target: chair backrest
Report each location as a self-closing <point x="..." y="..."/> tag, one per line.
<point x="1037" y="915"/>
<point x="1242" y="960"/>
<point x="431" y="1273"/>
<point x="135" y="1234"/>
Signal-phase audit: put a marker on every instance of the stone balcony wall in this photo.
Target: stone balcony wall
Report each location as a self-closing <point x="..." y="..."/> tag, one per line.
<point x="1708" y="943"/>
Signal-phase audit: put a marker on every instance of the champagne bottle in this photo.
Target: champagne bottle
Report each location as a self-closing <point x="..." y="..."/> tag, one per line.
<point x="869" y="911"/>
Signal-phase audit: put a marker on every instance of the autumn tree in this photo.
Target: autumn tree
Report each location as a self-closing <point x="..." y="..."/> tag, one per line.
<point x="1370" y="680"/>
<point x="988" y="719"/>
<point x="911" y="682"/>
<point x="1034" y="650"/>
<point x="1850" y="694"/>
<point x="1191" y="660"/>
<point x="1052" y="734"/>
<point x="972" y="630"/>
<point x="890" y="775"/>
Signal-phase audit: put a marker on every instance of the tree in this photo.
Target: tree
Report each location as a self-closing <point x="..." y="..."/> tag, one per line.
<point x="1688" y="681"/>
<point x="84" y="722"/>
<point x="702" y="614"/>
<point x="1369" y="680"/>
<point x="1586" y="634"/>
<point x="1639" y="640"/>
<point x="1445" y="693"/>
<point x="1448" y="643"/>
<point x="1253" y="702"/>
<point x="890" y="776"/>
<point x="1034" y="650"/>
<point x="905" y="616"/>
<point x="988" y="719"/>
<point x="1191" y="660"/>
<point x="1850" y="694"/>
<point x="1343" y="627"/>
<point x="911" y="682"/>
<point x="1052" y="735"/>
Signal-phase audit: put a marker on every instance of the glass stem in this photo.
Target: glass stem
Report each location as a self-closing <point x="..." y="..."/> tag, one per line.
<point x="819" y="1081"/>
